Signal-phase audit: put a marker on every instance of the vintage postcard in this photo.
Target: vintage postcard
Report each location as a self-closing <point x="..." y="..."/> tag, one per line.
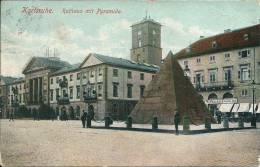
<point x="130" y="83"/>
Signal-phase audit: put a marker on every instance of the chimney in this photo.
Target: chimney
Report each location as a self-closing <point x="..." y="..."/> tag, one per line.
<point x="48" y="52"/>
<point x="54" y="52"/>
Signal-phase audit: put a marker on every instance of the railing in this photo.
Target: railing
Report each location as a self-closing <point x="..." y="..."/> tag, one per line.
<point x="63" y="100"/>
<point x="63" y="83"/>
<point x="214" y="86"/>
<point x="90" y="96"/>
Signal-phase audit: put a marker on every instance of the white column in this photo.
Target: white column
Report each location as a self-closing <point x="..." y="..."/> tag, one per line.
<point x="38" y="96"/>
<point x="33" y="91"/>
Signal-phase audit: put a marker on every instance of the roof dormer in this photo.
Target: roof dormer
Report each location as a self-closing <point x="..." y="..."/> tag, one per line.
<point x="214" y="44"/>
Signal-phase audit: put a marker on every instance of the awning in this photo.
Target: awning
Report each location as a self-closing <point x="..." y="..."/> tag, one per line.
<point x="235" y="107"/>
<point x="258" y="110"/>
<point x="225" y="107"/>
<point x="251" y="108"/>
<point x="244" y="107"/>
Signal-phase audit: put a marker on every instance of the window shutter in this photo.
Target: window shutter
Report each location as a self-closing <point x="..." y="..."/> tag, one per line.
<point x="194" y="79"/>
<point x="239" y="74"/>
<point x="249" y="74"/>
<point x="202" y="78"/>
<point x="239" y="53"/>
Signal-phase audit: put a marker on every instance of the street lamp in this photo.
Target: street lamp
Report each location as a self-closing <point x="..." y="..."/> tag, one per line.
<point x="15" y="103"/>
<point x="186" y="71"/>
<point x="88" y="89"/>
<point x="186" y="74"/>
<point x="89" y="97"/>
<point x="186" y="123"/>
<point x="253" y="121"/>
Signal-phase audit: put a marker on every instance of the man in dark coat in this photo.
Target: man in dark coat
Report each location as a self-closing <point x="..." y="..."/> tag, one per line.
<point x="83" y="118"/>
<point x="12" y="115"/>
<point x="34" y="113"/>
<point x="219" y="117"/>
<point x="177" y="120"/>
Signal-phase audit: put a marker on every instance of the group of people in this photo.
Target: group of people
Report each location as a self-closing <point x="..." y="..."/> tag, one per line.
<point x="87" y="117"/>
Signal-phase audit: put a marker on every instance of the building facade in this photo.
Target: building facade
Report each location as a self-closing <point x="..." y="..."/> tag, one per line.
<point x="225" y="69"/>
<point x="37" y="73"/>
<point x="18" y="92"/>
<point x="146" y="42"/>
<point x="5" y="84"/>
<point x="118" y="85"/>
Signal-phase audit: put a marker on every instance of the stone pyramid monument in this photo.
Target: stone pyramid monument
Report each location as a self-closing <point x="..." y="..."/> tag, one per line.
<point x="168" y="92"/>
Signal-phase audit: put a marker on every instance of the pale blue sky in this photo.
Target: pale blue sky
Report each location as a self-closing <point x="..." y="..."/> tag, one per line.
<point x="76" y="35"/>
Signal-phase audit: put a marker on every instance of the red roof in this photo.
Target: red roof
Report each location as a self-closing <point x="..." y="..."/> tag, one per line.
<point x="236" y="39"/>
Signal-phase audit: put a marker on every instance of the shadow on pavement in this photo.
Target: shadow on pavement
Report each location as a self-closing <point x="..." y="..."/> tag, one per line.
<point x="191" y="132"/>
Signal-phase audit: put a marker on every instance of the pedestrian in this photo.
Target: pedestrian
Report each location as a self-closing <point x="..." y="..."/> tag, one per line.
<point x="219" y="117"/>
<point x="176" y="122"/>
<point x="38" y="114"/>
<point x="34" y="114"/>
<point x="88" y="120"/>
<point x="83" y="118"/>
<point x="91" y="114"/>
<point x="65" y="116"/>
<point x="52" y="114"/>
<point x="11" y="115"/>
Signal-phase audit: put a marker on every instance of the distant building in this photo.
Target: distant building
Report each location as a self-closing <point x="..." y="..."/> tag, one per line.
<point x="5" y="83"/>
<point x="37" y="73"/>
<point x="20" y="86"/>
<point x="223" y="67"/>
<point x="118" y="84"/>
<point x="146" y="42"/>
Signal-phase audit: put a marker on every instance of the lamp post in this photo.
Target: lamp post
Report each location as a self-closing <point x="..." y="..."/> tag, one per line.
<point x="15" y="103"/>
<point x="186" y="74"/>
<point x="63" y="99"/>
<point x="186" y="122"/>
<point x="89" y="97"/>
<point x="88" y="93"/>
<point x="253" y="121"/>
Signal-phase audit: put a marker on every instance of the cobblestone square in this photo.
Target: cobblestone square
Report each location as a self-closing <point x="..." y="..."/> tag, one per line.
<point x="66" y="143"/>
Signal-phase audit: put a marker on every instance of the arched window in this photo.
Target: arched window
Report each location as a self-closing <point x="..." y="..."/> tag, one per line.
<point x="78" y="111"/>
<point x="72" y="113"/>
<point x="212" y="96"/>
<point x="227" y="95"/>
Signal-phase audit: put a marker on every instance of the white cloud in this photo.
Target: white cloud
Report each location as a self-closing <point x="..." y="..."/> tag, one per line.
<point x="198" y="31"/>
<point x="179" y="28"/>
<point x="66" y="33"/>
<point x="173" y="25"/>
<point x="71" y="43"/>
<point x="175" y="35"/>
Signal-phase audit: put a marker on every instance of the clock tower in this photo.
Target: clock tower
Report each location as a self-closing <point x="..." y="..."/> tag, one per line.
<point x="146" y="42"/>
